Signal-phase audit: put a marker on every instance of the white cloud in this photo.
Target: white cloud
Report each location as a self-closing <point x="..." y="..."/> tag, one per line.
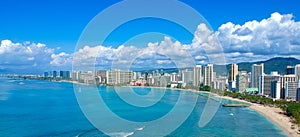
<point x="207" y="46"/>
<point x="278" y="35"/>
<point x="61" y="59"/>
<point x="30" y="58"/>
<point x="199" y="57"/>
<point x="155" y="55"/>
<point x="25" y="57"/>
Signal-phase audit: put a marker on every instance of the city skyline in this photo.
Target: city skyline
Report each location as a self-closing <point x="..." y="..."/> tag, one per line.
<point x="273" y="85"/>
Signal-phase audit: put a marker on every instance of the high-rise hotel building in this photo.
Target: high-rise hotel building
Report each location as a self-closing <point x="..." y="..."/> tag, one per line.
<point x="187" y="77"/>
<point x="256" y="72"/>
<point x="116" y="76"/>
<point x="297" y="70"/>
<point x="242" y="81"/>
<point x="265" y="82"/>
<point x="197" y="75"/>
<point x="208" y="74"/>
<point x="233" y="72"/>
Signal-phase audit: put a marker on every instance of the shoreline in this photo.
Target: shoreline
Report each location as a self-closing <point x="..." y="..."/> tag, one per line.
<point x="276" y="116"/>
<point x="273" y="114"/>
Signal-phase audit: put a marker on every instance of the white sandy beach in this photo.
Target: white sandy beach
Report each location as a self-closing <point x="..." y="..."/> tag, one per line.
<point x="277" y="117"/>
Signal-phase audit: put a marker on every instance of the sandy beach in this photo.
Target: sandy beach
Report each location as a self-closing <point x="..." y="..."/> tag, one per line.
<point x="277" y="117"/>
<point x="273" y="114"/>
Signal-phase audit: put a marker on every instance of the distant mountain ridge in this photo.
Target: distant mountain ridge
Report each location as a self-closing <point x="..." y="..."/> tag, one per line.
<point x="274" y="64"/>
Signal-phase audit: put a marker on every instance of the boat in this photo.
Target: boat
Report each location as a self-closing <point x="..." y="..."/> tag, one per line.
<point x="235" y="105"/>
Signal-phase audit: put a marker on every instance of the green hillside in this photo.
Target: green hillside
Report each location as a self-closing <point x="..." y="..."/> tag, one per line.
<point x="275" y="64"/>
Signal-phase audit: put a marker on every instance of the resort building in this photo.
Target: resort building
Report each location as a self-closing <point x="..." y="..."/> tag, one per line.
<point x="54" y="74"/>
<point x="220" y="82"/>
<point x="275" y="90"/>
<point x="87" y="78"/>
<point x="187" y="77"/>
<point x="64" y="74"/>
<point x="242" y="81"/>
<point x="75" y="75"/>
<point x="283" y="80"/>
<point x="233" y="72"/>
<point x="118" y="77"/>
<point x="265" y="83"/>
<point x="256" y="72"/>
<point x="161" y="81"/>
<point x="297" y="70"/>
<point x="291" y="89"/>
<point x="208" y="75"/>
<point x="174" y="77"/>
<point x="197" y="75"/>
<point x="46" y="74"/>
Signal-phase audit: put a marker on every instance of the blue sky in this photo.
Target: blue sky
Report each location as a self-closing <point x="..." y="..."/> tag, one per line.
<point x="58" y="23"/>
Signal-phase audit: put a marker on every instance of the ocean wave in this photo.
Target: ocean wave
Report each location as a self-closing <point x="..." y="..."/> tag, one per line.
<point x="92" y="132"/>
<point x="120" y="134"/>
<point x="11" y="81"/>
<point x="141" y="128"/>
<point x="96" y="132"/>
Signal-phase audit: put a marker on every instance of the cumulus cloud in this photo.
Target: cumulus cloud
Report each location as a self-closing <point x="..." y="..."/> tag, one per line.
<point x="61" y="59"/>
<point x="87" y="56"/>
<point x="207" y="46"/>
<point x="18" y="56"/>
<point x="155" y="55"/>
<point x="28" y="57"/>
<point x="278" y="35"/>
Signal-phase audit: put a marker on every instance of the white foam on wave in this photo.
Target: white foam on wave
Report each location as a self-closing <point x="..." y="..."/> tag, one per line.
<point x="11" y="81"/>
<point x="231" y="114"/>
<point x="141" y="128"/>
<point x="21" y="83"/>
<point x="120" y="134"/>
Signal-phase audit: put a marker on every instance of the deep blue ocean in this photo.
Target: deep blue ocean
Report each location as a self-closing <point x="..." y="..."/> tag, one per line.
<point x="42" y="108"/>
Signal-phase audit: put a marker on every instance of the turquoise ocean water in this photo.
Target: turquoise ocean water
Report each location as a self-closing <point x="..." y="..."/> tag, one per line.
<point x="41" y="108"/>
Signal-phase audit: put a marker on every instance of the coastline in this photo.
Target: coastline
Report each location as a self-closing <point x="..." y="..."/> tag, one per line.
<point x="277" y="117"/>
<point x="273" y="114"/>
